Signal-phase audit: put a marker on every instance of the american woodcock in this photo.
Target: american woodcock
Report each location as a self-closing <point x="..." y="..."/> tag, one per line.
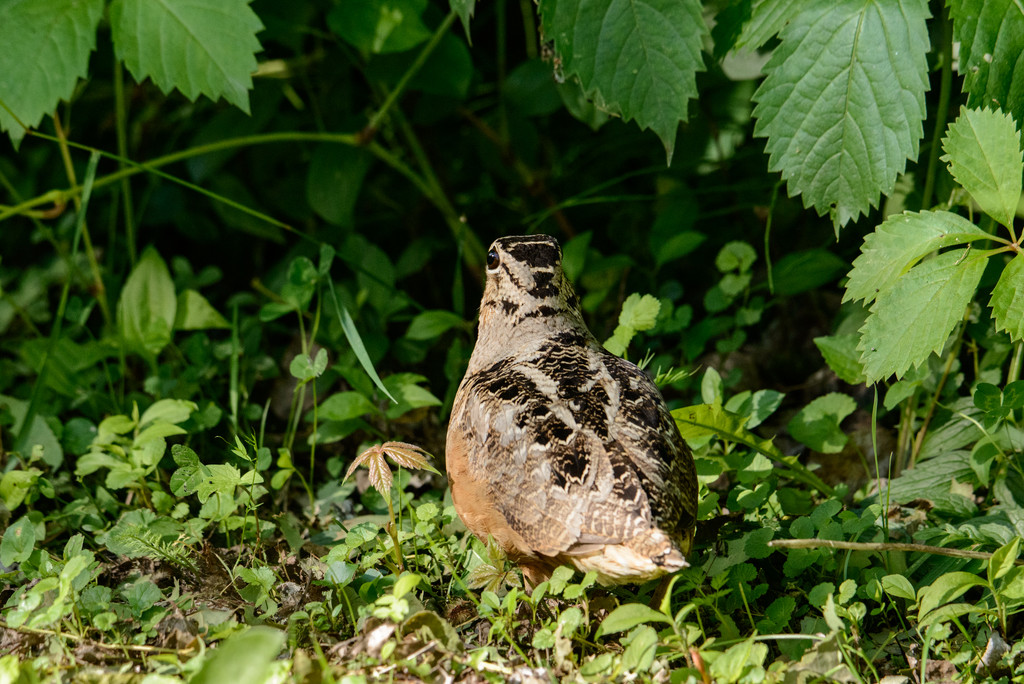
<point x="561" y="451"/>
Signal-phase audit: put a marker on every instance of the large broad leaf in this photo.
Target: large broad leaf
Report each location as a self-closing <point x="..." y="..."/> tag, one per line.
<point x="767" y="18"/>
<point x="915" y="317"/>
<point x="1008" y="299"/>
<point x="147" y="307"/>
<point x="843" y="104"/>
<point x="991" y="37"/>
<point x="899" y="243"/>
<point x="983" y="151"/>
<point x="243" y="657"/>
<point x="200" y="47"/>
<point x="635" y="58"/>
<point x="45" y="51"/>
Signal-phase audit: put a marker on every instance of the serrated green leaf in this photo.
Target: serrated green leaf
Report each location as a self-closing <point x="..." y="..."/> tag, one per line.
<point x="1007" y="300"/>
<point x="46" y="48"/>
<point x="841" y="355"/>
<point x="991" y="38"/>
<point x="983" y="152"/>
<point x="817" y="424"/>
<point x="465" y="10"/>
<point x="147" y="307"/>
<point x="900" y="242"/>
<point x="638" y="60"/>
<point x="194" y="312"/>
<point x="767" y="18"/>
<point x="200" y="47"/>
<point x="380" y="26"/>
<point x="843" y="103"/>
<point x="639" y="312"/>
<point x="914" y="318"/>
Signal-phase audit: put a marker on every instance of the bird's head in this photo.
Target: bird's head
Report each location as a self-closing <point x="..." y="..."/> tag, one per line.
<point x="526" y="291"/>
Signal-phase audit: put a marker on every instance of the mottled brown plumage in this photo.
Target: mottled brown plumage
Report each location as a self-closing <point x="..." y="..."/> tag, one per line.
<point x="560" y="450"/>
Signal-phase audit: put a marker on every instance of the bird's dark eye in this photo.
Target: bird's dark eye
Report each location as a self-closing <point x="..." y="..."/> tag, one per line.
<point x="492" y="260"/>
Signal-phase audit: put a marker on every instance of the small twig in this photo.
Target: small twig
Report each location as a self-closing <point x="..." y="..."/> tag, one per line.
<point x="98" y="644"/>
<point x="880" y="546"/>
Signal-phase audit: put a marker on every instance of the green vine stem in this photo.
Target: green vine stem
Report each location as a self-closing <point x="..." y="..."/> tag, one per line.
<point x="421" y="59"/>
<point x="94" y="266"/>
<point x="152" y="166"/>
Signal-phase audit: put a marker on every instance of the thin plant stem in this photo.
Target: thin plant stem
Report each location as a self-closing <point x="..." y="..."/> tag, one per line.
<point x="881" y="547"/>
<point x="946" y="370"/>
<point x="69" y="168"/>
<point x="413" y="69"/>
<point x="121" y="111"/>
<point x="941" y="109"/>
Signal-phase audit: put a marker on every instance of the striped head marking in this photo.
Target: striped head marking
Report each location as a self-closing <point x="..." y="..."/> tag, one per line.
<point x="525" y="280"/>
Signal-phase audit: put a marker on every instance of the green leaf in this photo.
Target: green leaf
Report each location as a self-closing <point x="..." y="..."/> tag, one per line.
<point x="428" y="325"/>
<point x="817" y="424"/>
<point x="1007" y="300"/>
<point x="900" y="242"/>
<point x="194" y="312"/>
<point x="946" y="588"/>
<point x="200" y="47"/>
<point x="335" y="177"/>
<point x="629" y="616"/>
<point x="991" y="38"/>
<point x="243" y="657"/>
<point x="408" y="394"/>
<point x="899" y="586"/>
<point x="406" y="583"/>
<point x="46" y="48"/>
<point x="915" y="318"/>
<point x="465" y="10"/>
<point x="640" y="312"/>
<point x="983" y="152"/>
<point x="379" y="26"/>
<point x="843" y="103"/>
<point x="641" y="647"/>
<point x="701" y="420"/>
<point x="767" y="18"/>
<point x="1003" y="559"/>
<point x="806" y="270"/>
<point x="841" y="355"/>
<point x="638" y="60"/>
<point x="348" y="326"/>
<point x="168" y="411"/>
<point x="18" y="541"/>
<point x="147" y="307"/>
<point x="735" y="256"/>
<point x="931" y="480"/>
<point x="304" y="368"/>
<point x="345" y="406"/>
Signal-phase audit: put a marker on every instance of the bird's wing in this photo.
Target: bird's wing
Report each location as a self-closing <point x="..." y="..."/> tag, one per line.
<point x="649" y="438"/>
<point x="539" y="432"/>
